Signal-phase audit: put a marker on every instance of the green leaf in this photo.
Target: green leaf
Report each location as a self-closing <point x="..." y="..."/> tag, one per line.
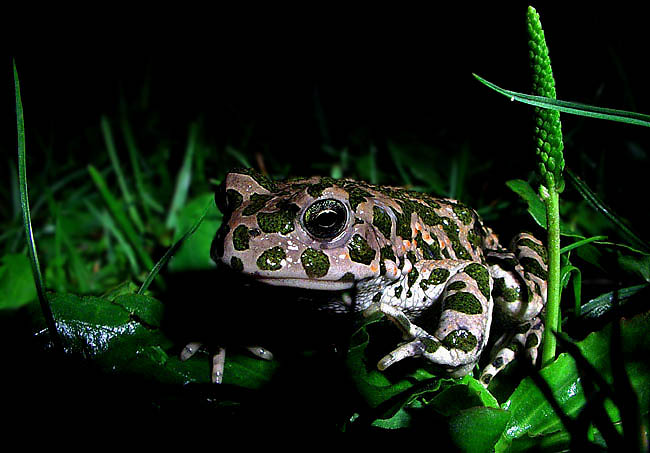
<point x="195" y="251"/>
<point x="532" y="414"/>
<point x="380" y="388"/>
<point x="575" y="108"/>
<point x="16" y="281"/>
<point x="478" y="429"/>
<point x="599" y="306"/>
<point x="121" y="334"/>
<point x="536" y="206"/>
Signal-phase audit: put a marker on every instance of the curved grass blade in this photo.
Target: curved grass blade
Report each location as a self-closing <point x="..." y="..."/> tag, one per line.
<point x="173" y="249"/>
<point x="183" y="178"/>
<point x="575" y="108"/>
<point x="27" y="220"/>
<point x="601" y="207"/>
<point x="120" y="217"/>
<point x="582" y="242"/>
<point x="112" y="153"/>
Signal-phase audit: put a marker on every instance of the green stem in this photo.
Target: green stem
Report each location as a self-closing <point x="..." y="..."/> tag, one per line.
<point x="554" y="289"/>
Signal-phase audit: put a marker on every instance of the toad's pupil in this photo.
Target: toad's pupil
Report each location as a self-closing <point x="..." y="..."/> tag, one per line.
<point x="327" y="219"/>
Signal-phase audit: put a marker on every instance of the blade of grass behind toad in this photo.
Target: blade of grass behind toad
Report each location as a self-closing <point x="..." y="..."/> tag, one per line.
<point x="173" y="249"/>
<point x="183" y="178"/>
<point x="27" y="220"/>
<point x="126" y="192"/>
<point x="120" y="217"/>
<point x="107" y="222"/>
<point x="132" y="148"/>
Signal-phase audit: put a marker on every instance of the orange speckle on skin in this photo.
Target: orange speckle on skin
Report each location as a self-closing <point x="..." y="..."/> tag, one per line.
<point x="374" y="267"/>
<point x="425" y="235"/>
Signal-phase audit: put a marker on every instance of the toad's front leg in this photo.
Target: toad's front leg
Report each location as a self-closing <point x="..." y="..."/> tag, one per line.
<point x="462" y="330"/>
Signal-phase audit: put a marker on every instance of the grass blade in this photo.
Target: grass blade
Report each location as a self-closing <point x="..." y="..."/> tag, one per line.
<point x="27" y="220"/>
<point x="575" y="108"/>
<point x="183" y="179"/>
<point x="121" y="219"/>
<point x="601" y="207"/>
<point x="582" y="242"/>
<point x="133" y="154"/>
<point x="107" y="223"/>
<point x="173" y="249"/>
<point x="126" y="193"/>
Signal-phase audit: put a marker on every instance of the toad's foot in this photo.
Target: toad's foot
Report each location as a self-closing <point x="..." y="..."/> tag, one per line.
<point x="526" y="337"/>
<point x="219" y="358"/>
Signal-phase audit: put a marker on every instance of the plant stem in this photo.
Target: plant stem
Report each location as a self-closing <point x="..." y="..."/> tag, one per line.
<point x="554" y="290"/>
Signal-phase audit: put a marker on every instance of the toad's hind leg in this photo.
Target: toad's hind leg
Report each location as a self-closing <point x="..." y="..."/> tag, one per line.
<point x="520" y="282"/>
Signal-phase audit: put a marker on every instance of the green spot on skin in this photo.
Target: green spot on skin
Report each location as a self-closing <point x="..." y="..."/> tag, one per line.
<point x="482" y="277"/>
<point x="460" y="339"/>
<point x="501" y="290"/>
<point x="240" y="238"/>
<point x="412" y="277"/>
<point x="531" y="341"/>
<point x="382" y="221"/>
<point x="271" y="259"/>
<point x="430" y="345"/>
<point x="533" y="266"/>
<point x="403" y="226"/>
<point x="386" y="253"/>
<point x="233" y="199"/>
<point x="429" y="251"/>
<point x="463" y="213"/>
<point x="398" y="291"/>
<point x="236" y="264"/>
<point x="357" y="196"/>
<point x="360" y="251"/>
<point x="438" y="276"/>
<point x="456" y="286"/>
<point x="463" y="302"/>
<point x="280" y="221"/>
<point x="315" y="262"/>
<point x="316" y="190"/>
<point x="259" y="178"/>
<point x="514" y="347"/>
<point x="537" y="248"/>
<point x="256" y="202"/>
<point x="474" y="238"/>
<point x="347" y="277"/>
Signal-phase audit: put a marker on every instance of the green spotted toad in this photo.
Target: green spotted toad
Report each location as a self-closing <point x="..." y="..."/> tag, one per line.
<point x="403" y="253"/>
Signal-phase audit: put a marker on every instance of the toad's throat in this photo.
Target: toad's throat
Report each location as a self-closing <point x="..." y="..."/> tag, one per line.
<point x="326" y="285"/>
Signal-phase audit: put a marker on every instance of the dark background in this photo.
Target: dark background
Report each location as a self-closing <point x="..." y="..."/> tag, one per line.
<point x="383" y="75"/>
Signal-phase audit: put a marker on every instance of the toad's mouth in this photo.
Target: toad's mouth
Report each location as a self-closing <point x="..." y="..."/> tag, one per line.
<point x="325" y="285"/>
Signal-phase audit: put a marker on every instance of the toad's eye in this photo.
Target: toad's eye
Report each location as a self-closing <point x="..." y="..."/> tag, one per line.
<point x="325" y="219"/>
